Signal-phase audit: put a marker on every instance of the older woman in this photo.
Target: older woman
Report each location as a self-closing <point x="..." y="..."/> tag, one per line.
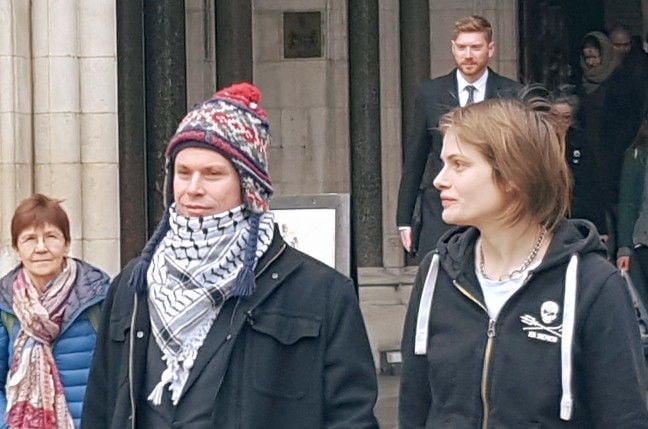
<point x="579" y="154"/>
<point x="49" y="305"/>
<point x="517" y="320"/>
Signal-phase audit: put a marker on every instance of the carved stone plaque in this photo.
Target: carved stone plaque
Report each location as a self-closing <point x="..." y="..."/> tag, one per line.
<point x="302" y="34"/>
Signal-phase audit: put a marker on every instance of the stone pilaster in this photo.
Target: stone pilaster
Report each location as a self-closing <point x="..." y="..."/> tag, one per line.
<point x="98" y="133"/>
<point x="56" y="115"/>
<point x="307" y="99"/>
<point x="15" y="118"/>
<point x="61" y="84"/>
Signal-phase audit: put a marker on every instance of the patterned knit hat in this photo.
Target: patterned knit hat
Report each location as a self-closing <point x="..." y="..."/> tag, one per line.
<point x="233" y="124"/>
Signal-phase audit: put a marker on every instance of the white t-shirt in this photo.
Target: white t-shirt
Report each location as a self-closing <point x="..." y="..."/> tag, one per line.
<point x="497" y="292"/>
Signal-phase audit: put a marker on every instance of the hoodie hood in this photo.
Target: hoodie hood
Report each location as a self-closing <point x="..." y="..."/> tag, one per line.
<point x="571" y="236"/>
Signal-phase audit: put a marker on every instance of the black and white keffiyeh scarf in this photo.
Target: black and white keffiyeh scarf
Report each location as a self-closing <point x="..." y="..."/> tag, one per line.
<point x="192" y="273"/>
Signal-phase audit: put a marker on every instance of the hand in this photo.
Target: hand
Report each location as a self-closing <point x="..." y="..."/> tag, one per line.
<point x="604" y="238"/>
<point x="623" y="263"/>
<point x="406" y="238"/>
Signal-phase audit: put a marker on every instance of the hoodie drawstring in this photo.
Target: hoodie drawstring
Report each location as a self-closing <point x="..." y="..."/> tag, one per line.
<point x="425" y="305"/>
<point x="566" y="341"/>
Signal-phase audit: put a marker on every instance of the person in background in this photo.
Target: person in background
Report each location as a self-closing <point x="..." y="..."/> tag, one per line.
<point x="623" y="108"/>
<point x="621" y="41"/>
<point x="633" y="208"/>
<point x="49" y="307"/>
<point x="219" y="323"/>
<point x="586" y="201"/>
<point x="597" y="65"/>
<point x="470" y="82"/>
<point x="518" y="320"/>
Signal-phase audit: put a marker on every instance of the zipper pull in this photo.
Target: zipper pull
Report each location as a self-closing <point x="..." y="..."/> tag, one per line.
<point x="491" y="328"/>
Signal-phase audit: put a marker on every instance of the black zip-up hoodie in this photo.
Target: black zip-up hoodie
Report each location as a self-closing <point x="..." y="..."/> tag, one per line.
<point x="507" y="373"/>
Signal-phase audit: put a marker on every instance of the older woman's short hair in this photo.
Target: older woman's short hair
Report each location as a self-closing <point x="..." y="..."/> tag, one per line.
<point x="36" y="211"/>
<point x="525" y="152"/>
<point x="567" y="94"/>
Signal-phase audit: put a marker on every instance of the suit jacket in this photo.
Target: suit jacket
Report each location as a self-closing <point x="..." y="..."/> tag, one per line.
<point x="433" y="99"/>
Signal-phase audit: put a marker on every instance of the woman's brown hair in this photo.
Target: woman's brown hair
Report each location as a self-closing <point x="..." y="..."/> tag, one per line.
<point x="526" y="153"/>
<point x="36" y="211"/>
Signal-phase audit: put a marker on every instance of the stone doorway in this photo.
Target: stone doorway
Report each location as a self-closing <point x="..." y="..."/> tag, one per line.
<point x="551" y="32"/>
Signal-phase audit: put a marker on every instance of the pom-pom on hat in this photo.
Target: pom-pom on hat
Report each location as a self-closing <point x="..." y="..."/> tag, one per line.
<point x="233" y="124"/>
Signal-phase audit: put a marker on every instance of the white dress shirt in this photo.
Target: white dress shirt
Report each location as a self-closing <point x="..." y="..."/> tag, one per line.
<point x="480" y="88"/>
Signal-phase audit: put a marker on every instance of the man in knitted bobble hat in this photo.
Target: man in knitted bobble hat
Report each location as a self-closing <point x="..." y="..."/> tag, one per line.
<point x="218" y="323"/>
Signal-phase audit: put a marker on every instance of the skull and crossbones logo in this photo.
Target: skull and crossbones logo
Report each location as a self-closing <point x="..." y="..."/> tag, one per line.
<point x="543" y="331"/>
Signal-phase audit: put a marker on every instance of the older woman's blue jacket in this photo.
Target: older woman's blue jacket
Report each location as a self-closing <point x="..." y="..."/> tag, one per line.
<point x="74" y="346"/>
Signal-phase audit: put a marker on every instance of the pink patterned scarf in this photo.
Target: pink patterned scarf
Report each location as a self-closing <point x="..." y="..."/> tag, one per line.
<point x="34" y="391"/>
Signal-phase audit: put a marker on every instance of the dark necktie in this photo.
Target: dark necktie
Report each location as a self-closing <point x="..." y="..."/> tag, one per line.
<point x="471" y="94"/>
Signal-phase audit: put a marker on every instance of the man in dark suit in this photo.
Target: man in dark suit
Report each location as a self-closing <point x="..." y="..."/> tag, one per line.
<point x="470" y="82"/>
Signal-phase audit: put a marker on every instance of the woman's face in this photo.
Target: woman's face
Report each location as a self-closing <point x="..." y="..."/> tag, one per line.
<point x="469" y="194"/>
<point x="592" y="57"/>
<point x="42" y="251"/>
<point x="564" y="117"/>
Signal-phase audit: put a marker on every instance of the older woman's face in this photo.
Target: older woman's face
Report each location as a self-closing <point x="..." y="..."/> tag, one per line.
<point x="42" y="251"/>
<point x="564" y="117"/>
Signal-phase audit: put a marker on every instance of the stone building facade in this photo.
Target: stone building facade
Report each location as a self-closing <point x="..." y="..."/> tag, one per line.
<point x="90" y="90"/>
<point x="58" y="118"/>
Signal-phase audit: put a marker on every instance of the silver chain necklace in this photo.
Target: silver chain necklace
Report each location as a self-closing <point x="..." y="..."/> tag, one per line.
<point x="522" y="268"/>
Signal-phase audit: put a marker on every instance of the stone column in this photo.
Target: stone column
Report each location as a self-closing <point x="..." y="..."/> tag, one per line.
<point x="98" y="126"/>
<point x="365" y="152"/>
<point x="132" y="127"/>
<point x="165" y="63"/>
<point x="56" y="114"/>
<point x="15" y="118"/>
<point x="415" y="54"/>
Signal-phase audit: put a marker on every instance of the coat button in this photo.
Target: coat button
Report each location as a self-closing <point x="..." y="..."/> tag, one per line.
<point x="275" y="276"/>
<point x="229" y="337"/>
<point x="139" y="334"/>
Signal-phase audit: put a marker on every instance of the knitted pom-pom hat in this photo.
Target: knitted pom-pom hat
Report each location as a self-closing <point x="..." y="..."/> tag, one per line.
<point x="232" y="123"/>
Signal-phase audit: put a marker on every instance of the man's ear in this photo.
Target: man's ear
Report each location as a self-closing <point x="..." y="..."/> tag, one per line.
<point x="491" y="49"/>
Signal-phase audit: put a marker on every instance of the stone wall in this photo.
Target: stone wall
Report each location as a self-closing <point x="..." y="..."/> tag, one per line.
<point x="59" y="118"/>
<point x="306" y="99"/>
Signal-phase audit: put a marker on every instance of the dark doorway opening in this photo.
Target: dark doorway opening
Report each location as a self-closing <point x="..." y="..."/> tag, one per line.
<point x="551" y="32"/>
<point x="550" y="35"/>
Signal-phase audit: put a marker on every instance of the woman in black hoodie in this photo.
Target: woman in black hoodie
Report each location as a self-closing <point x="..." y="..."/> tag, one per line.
<point x="516" y="320"/>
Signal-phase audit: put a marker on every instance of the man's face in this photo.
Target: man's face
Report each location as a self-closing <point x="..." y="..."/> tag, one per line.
<point x="620" y="45"/>
<point x="592" y="57"/>
<point x="471" y="53"/>
<point x="204" y="183"/>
